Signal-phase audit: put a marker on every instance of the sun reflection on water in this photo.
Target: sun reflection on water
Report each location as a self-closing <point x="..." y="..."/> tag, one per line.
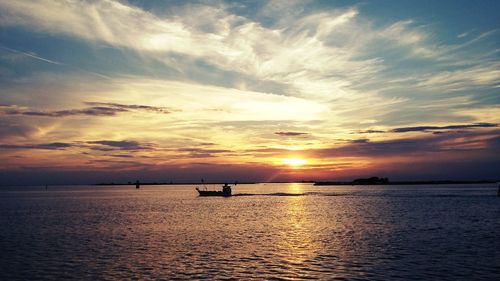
<point x="296" y="235"/>
<point x="295" y="188"/>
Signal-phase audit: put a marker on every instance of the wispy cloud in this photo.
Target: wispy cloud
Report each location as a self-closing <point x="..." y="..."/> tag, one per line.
<point x="47" y="146"/>
<point x="429" y="128"/>
<point x="193" y="152"/>
<point x="31" y="55"/>
<point x="157" y="109"/>
<point x="290" y="134"/>
<point x="96" y="109"/>
<point x="101" y="145"/>
<point x="371" y="131"/>
<point x="337" y="56"/>
<point x="109" y="145"/>
<point x="287" y="53"/>
<point x="450" y="127"/>
<point x="484" y="75"/>
<point x="92" y="111"/>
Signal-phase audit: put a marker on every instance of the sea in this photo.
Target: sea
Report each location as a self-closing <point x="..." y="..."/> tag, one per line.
<point x="269" y="231"/>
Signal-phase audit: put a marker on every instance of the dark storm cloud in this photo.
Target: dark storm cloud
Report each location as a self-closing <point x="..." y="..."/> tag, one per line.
<point x="290" y="134"/>
<point x="94" y="109"/>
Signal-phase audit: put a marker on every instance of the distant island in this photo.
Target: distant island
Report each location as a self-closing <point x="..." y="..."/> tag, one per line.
<point x="385" y="181"/>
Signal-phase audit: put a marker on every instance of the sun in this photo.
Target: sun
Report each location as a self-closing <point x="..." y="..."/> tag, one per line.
<point x="294" y="162"/>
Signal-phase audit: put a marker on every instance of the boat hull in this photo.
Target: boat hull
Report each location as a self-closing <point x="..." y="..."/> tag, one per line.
<point x="212" y="193"/>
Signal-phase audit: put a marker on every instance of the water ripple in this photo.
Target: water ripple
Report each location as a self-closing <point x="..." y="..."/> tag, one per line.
<point x="266" y="232"/>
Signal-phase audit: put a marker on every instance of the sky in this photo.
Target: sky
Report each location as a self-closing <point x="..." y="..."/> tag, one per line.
<point x="114" y="91"/>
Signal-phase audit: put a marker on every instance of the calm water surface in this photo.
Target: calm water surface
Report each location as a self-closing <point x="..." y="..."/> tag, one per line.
<point x="268" y="231"/>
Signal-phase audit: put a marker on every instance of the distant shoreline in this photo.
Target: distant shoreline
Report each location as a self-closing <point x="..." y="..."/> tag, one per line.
<point x="317" y="183"/>
<point x="436" y="182"/>
<point x="170" y="183"/>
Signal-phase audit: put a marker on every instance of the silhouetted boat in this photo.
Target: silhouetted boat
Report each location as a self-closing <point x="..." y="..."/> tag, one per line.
<point x="225" y="192"/>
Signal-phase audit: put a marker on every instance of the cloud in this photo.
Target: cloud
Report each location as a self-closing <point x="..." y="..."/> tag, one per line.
<point x="448" y="144"/>
<point x="235" y="105"/>
<point x="47" y="146"/>
<point x="429" y="128"/>
<point x="193" y="149"/>
<point x="290" y="134"/>
<point x="369" y="132"/>
<point x="304" y="52"/>
<point x="92" y="111"/>
<point x="450" y="127"/>
<point x="96" y="109"/>
<point x="484" y="75"/>
<point x="31" y="55"/>
<point x="201" y="152"/>
<point x="337" y="56"/>
<point x="463" y="141"/>
<point x="360" y="141"/>
<point x="126" y="107"/>
<point x="109" y="145"/>
<point x="206" y="144"/>
<point x="101" y="145"/>
<point x="9" y="129"/>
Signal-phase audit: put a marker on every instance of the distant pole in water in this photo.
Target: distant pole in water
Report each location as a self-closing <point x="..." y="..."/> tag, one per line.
<point x="137" y="184"/>
<point x="46" y="187"/>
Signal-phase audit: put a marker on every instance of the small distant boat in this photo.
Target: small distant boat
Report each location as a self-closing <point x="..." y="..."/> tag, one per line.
<point x="225" y="192"/>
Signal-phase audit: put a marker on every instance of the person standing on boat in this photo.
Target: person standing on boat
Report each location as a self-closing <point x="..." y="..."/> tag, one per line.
<point x="226" y="189"/>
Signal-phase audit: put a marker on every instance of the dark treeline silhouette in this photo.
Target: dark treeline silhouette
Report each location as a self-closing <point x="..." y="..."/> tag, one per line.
<point x="385" y="181"/>
<point x="372" y="180"/>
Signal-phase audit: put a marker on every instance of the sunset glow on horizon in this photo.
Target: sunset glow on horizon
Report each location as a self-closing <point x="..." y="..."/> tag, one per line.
<point x="105" y="91"/>
<point x="294" y="162"/>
